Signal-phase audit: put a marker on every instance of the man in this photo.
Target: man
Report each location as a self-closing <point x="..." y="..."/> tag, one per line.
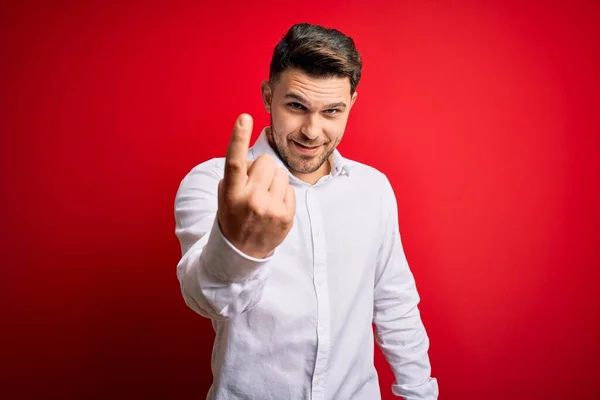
<point x="293" y="251"/>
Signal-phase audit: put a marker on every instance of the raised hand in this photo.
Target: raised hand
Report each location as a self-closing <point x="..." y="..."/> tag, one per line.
<point x="256" y="202"/>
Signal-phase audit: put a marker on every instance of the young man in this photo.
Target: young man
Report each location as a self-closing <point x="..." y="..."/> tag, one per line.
<point x="294" y="251"/>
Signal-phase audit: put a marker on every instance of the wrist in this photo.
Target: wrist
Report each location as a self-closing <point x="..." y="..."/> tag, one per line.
<point x="247" y="249"/>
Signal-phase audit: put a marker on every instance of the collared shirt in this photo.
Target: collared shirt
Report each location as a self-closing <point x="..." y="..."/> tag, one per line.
<point x="298" y="324"/>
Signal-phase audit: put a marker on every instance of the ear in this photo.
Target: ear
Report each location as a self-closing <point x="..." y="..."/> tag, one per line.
<point x="353" y="99"/>
<point x="267" y="95"/>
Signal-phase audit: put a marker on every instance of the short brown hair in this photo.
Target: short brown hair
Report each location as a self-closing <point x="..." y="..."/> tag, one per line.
<point x="318" y="52"/>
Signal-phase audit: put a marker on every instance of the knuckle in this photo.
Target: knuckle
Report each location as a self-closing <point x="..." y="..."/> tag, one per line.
<point x="283" y="216"/>
<point x="281" y="177"/>
<point x="267" y="160"/>
<point x="289" y="218"/>
<point x="234" y="164"/>
<point x="256" y="204"/>
<point x="267" y="157"/>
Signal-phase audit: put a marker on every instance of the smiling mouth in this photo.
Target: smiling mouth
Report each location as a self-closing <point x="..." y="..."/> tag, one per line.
<point x="306" y="149"/>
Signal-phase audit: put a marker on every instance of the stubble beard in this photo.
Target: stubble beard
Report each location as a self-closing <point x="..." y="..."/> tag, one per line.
<point x="299" y="164"/>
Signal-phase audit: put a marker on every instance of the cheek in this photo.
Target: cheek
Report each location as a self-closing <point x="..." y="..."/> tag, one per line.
<point x="285" y="122"/>
<point x="335" y="129"/>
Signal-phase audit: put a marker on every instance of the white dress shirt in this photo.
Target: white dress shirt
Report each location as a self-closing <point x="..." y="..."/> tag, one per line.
<point x="298" y="324"/>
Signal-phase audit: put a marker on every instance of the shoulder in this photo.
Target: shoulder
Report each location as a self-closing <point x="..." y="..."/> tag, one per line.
<point x="203" y="176"/>
<point x="369" y="177"/>
<point x="212" y="167"/>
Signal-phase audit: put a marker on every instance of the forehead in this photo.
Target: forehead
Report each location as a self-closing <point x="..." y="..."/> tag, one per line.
<point x="317" y="90"/>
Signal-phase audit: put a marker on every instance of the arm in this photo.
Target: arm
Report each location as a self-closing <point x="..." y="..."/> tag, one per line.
<point x="217" y="280"/>
<point x="253" y="206"/>
<point x="399" y="330"/>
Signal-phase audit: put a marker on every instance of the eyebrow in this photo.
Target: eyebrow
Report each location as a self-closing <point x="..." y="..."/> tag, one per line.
<point x="302" y="100"/>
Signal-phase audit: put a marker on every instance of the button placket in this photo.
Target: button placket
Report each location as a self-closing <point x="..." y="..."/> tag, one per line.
<point x="321" y="290"/>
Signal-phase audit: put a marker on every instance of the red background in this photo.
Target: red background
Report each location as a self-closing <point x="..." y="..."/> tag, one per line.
<point x="485" y="117"/>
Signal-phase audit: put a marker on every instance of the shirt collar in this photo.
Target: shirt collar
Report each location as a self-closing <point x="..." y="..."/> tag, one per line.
<point x="340" y="165"/>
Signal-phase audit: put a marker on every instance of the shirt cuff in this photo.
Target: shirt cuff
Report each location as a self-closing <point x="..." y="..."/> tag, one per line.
<point x="224" y="261"/>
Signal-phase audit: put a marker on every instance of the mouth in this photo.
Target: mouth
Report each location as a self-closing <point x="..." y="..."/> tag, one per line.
<point x="306" y="149"/>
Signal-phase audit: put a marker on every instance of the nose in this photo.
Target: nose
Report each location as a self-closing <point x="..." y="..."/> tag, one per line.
<point x="311" y="128"/>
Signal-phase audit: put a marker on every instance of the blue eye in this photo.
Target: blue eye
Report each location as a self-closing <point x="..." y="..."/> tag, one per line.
<point x="296" y="106"/>
<point x="332" y="111"/>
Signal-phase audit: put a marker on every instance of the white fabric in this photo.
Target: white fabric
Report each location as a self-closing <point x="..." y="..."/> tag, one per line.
<point x="298" y="324"/>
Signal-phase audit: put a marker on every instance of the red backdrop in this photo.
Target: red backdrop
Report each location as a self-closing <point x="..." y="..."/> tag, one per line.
<point x="484" y="116"/>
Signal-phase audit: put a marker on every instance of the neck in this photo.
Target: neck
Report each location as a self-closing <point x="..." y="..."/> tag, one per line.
<point x="314" y="177"/>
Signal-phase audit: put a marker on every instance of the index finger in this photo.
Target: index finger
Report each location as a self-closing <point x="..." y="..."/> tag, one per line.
<point x="236" y="171"/>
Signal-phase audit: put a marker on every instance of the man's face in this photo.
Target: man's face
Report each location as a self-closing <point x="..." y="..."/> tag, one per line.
<point x="308" y="119"/>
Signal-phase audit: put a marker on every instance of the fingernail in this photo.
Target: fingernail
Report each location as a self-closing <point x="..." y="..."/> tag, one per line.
<point x="244" y="121"/>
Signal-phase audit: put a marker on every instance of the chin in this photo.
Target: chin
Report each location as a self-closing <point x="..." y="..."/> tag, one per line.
<point x="306" y="167"/>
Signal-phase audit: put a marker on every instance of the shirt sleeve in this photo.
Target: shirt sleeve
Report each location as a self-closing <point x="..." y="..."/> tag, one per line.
<point x="400" y="332"/>
<point x="216" y="279"/>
